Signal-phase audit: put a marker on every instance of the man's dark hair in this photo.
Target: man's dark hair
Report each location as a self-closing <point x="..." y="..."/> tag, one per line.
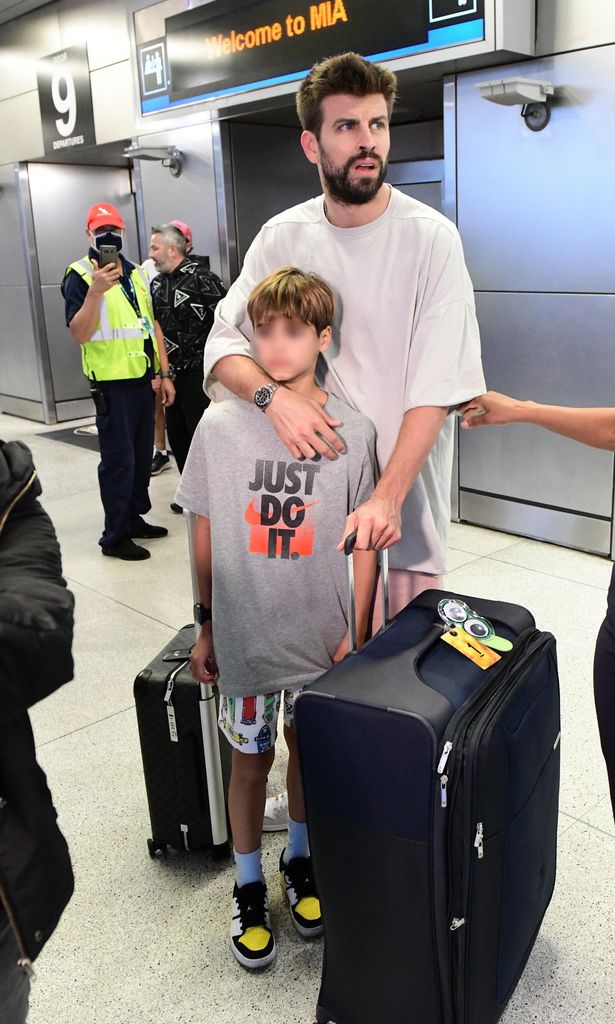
<point x="347" y="73"/>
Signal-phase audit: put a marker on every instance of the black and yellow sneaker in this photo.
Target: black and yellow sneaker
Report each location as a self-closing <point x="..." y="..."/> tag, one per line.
<point x="252" y="940"/>
<point x="300" y="890"/>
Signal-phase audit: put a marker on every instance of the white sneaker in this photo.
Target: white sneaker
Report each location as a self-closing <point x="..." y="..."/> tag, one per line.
<point x="276" y="813"/>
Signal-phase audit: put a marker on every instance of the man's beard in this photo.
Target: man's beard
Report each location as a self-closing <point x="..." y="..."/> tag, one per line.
<point x="352" y="193"/>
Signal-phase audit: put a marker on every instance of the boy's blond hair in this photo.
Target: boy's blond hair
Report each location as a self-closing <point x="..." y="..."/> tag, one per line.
<point x="293" y="294"/>
<point x="347" y="73"/>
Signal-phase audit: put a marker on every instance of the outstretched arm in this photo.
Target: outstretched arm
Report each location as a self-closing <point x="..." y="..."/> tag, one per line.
<point x="594" y="427"/>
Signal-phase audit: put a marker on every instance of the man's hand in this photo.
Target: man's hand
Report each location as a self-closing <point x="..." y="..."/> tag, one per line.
<point x="167" y="389"/>
<point x="377" y="522"/>
<point x="303" y="426"/>
<point x="202" y="658"/>
<point x="104" y="279"/>
<point x="490" y="409"/>
<point x="342" y="650"/>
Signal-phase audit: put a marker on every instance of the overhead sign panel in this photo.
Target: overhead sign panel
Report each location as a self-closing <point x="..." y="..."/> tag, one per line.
<point x="225" y="47"/>
<point x="65" y="100"/>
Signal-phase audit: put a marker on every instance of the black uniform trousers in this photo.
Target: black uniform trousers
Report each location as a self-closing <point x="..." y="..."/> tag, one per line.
<point x="126" y="439"/>
<point x="604" y="686"/>
<point x="184" y="415"/>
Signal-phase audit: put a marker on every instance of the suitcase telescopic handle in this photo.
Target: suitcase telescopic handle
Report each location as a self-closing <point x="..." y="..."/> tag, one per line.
<point x="349" y="544"/>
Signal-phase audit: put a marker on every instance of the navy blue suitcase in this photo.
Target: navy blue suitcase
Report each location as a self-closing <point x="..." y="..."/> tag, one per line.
<point x="431" y="791"/>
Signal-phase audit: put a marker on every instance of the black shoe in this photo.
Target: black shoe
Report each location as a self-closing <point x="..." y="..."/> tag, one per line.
<point x="252" y="940"/>
<point x="149" y="532"/>
<point x="300" y="890"/>
<point x="177" y="509"/>
<point x="160" y="462"/>
<point x="127" y="550"/>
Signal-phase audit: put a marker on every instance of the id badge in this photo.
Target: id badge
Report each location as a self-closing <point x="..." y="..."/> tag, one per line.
<point x="147" y="324"/>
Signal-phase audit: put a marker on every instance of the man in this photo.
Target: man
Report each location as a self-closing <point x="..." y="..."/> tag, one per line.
<point x="184" y="295"/>
<point x="36" y="631"/>
<point x="161" y="460"/>
<point x="109" y="313"/>
<point x="406" y="346"/>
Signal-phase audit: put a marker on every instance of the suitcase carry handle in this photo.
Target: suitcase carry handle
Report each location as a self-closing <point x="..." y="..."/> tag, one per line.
<point x="349" y="544"/>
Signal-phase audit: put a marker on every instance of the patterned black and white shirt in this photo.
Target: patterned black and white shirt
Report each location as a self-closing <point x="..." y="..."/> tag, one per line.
<point x="184" y="303"/>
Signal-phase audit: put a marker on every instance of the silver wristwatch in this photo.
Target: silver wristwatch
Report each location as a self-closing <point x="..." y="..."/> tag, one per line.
<point x="264" y="394"/>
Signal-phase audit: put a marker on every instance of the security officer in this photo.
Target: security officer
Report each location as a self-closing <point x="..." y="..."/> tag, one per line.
<point x="109" y="312"/>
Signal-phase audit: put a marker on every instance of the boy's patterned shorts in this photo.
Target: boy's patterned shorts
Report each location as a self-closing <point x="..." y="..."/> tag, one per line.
<point x="251" y="723"/>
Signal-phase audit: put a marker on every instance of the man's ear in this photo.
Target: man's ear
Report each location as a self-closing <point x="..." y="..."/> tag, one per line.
<point x="325" y="339"/>
<point x="309" y="145"/>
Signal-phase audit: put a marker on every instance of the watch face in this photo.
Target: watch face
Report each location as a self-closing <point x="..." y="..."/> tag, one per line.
<point x="262" y="396"/>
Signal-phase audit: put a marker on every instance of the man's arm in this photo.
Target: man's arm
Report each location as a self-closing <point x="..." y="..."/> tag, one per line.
<point x="202" y="657"/>
<point x="85" y="320"/>
<point x="167" y="388"/>
<point x="378" y="520"/>
<point x="594" y="427"/>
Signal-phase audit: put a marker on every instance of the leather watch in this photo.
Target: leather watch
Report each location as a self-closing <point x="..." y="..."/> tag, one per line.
<point x="264" y="394"/>
<point x="202" y="614"/>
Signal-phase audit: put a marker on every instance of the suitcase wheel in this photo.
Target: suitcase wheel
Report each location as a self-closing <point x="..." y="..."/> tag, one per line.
<point x="222" y="851"/>
<point x="157" y="849"/>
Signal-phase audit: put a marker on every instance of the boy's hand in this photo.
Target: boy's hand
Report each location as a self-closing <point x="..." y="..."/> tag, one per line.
<point x="342" y="650"/>
<point x="202" y="658"/>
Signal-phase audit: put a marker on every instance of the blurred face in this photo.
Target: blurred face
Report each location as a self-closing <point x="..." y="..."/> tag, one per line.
<point x="288" y="349"/>
<point x="164" y="256"/>
<point x="352" y="148"/>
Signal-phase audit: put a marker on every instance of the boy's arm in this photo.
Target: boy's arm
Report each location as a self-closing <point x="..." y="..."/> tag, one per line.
<point x="364" y="580"/>
<point x="595" y="427"/>
<point x="202" y="657"/>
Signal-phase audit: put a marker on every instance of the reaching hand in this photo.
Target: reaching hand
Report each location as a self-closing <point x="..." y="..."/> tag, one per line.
<point x="490" y="409"/>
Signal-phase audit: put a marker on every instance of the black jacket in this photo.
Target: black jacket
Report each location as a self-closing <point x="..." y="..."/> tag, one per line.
<point x="36" y="630"/>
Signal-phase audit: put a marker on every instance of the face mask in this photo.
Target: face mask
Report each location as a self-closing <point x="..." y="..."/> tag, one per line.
<point x="108" y="238"/>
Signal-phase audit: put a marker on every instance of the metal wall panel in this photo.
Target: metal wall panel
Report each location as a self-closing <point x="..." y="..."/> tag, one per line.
<point x="191" y="197"/>
<point x="573" y="24"/>
<point x="61" y="197"/>
<point x="21" y="129"/>
<point x="12" y="264"/>
<point x="270" y="174"/>
<point x="557" y="349"/>
<point x="19" y="376"/>
<point x="104" y="25"/>
<point x="22" y="42"/>
<point x="532" y="207"/>
<point x="65" y="357"/>
<point x="113" y="102"/>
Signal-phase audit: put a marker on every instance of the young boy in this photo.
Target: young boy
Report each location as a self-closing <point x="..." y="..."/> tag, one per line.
<point x="272" y="585"/>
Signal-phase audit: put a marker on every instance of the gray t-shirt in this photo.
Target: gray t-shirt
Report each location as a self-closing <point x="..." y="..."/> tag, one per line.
<point x="279" y="599"/>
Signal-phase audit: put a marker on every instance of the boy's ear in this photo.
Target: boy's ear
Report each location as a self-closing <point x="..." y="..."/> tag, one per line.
<point x="325" y="339"/>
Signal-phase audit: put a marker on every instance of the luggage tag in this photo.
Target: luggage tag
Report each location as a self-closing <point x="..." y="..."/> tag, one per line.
<point x="471" y="648"/>
<point x="457" y="613"/>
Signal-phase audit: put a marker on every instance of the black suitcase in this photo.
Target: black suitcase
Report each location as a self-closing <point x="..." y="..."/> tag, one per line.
<point x="431" y="791"/>
<point x="186" y="769"/>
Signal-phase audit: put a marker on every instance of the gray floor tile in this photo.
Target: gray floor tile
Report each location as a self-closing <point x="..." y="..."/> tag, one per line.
<point x="559" y="562"/>
<point x="477" y="540"/>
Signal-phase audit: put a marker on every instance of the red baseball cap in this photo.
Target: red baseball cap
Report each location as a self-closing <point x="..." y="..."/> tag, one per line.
<point x="104" y="213"/>
<point x="185" y="230"/>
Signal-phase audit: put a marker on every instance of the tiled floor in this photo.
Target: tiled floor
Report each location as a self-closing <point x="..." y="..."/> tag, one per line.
<point x="145" y="942"/>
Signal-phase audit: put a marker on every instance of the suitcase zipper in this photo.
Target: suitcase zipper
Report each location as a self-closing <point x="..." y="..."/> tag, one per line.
<point x="471" y="732"/>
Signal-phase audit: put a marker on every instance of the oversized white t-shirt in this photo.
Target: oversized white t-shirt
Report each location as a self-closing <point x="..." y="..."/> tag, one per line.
<point x="405" y="335"/>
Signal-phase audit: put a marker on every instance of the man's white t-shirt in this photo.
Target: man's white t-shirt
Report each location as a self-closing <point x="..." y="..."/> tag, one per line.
<point x="405" y="335"/>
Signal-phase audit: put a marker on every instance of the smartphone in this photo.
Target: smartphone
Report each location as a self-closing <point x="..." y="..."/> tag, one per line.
<point x="107" y="254"/>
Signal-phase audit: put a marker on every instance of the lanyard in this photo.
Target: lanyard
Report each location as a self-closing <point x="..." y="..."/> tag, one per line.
<point x="130" y="295"/>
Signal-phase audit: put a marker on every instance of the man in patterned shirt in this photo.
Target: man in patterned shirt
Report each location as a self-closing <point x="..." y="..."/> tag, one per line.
<point x="184" y="295"/>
